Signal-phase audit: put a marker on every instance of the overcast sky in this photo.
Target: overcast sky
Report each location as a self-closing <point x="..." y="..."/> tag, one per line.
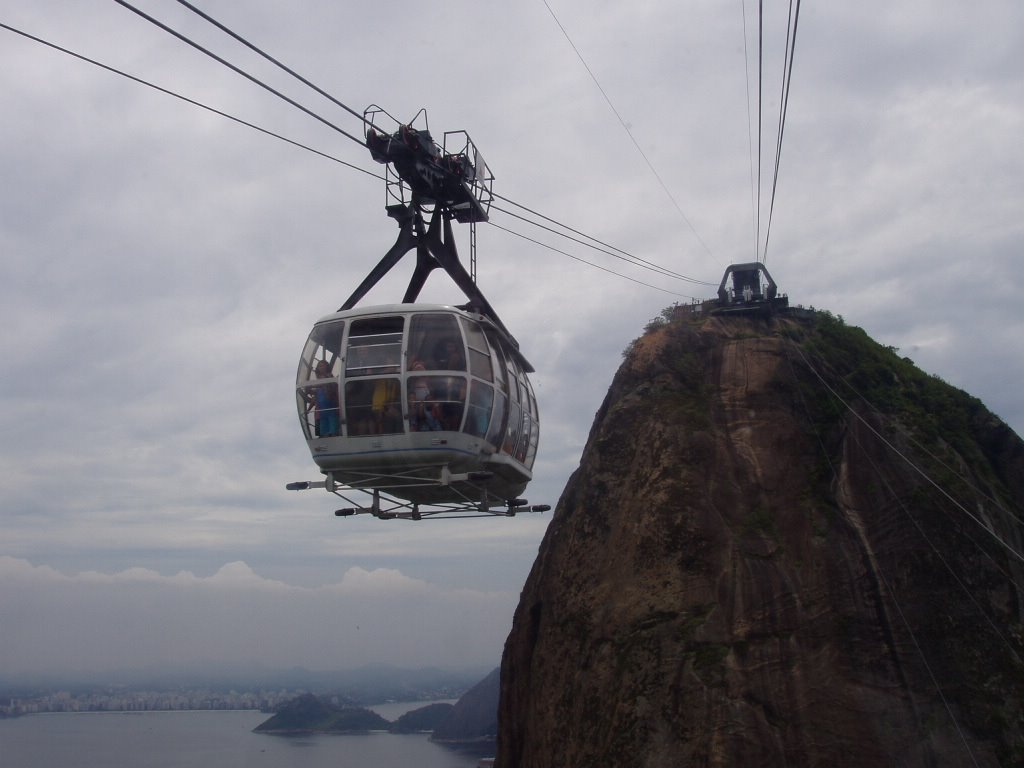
<point x="162" y="267"/>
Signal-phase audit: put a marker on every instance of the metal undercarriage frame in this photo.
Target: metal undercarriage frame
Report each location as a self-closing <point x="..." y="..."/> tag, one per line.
<point x="386" y="506"/>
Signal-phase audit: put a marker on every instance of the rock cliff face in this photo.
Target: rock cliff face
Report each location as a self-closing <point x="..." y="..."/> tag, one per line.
<point x="746" y="571"/>
<point x="474" y="717"/>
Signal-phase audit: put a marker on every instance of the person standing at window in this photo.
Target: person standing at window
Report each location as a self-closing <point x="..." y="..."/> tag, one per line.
<point x="326" y="402"/>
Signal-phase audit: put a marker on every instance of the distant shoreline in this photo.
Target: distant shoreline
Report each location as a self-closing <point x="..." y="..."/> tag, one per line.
<point x="327" y="731"/>
<point x="124" y="712"/>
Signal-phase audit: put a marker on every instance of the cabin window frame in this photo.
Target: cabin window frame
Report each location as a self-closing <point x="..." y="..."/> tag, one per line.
<point x="373" y="346"/>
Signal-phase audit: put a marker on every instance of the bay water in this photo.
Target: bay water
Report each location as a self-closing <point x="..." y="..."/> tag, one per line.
<point x="207" y="739"/>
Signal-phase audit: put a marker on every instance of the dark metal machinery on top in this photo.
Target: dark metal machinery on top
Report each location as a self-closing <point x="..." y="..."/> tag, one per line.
<point x="443" y="184"/>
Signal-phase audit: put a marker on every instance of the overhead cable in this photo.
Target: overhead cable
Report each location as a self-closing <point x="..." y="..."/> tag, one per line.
<point x="750" y="138"/>
<point x="783" y="108"/>
<point x="928" y="668"/>
<point x="981" y="492"/>
<point x="607" y="249"/>
<point x="625" y="127"/>
<point x="270" y="58"/>
<point x="319" y="90"/>
<point x="963" y="587"/>
<point x="834" y="473"/>
<point x="952" y="470"/>
<point x="187" y="100"/>
<point x="760" y="99"/>
<point x="653" y="268"/>
<point x="911" y="463"/>
<point x="324" y="93"/>
<point x="589" y="263"/>
<point x="334" y="100"/>
<point x="238" y="70"/>
<point x="635" y="259"/>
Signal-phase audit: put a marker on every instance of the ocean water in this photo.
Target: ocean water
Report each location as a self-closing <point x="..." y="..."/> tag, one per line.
<point x="203" y="740"/>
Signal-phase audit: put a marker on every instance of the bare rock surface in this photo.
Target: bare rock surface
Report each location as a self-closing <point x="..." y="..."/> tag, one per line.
<point x="784" y="546"/>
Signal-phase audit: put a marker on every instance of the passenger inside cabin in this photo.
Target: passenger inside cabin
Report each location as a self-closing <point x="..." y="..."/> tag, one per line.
<point x="358" y="361"/>
<point x="387" y="407"/>
<point x="450" y="356"/>
<point x="423" y="408"/>
<point x="373" y="406"/>
<point x="325" y="402"/>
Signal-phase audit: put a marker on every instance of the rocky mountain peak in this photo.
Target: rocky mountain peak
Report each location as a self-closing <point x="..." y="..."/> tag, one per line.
<point x="785" y="545"/>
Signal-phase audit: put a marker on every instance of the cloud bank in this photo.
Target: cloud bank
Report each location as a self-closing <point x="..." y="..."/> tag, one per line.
<point x="55" y="623"/>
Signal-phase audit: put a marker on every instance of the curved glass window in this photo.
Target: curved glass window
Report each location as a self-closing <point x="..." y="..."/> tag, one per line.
<point x="528" y="406"/>
<point x="452" y="398"/>
<point x="435" y="341"/>
<point x="479" y="353"/>
<point x="316" y="382"/>
<point x="513" y="382"/>
<point x="481" y="398"/>
<point x="512" y="432"/>
<point x="524" y="437"/>
<point x="515" y="411"/>
<point x="531" y="451"/>
<point x="497" y="426"/>
<point x="498" y="355"/>
<point x="496" y="430"/>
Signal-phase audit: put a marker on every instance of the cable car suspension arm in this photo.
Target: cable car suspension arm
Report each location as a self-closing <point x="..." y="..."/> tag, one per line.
<point x="432" y="251"/>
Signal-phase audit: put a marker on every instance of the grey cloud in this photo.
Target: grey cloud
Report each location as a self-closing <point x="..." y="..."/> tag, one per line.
<point x="162" y="266"/>
<point x="98" y="621"/>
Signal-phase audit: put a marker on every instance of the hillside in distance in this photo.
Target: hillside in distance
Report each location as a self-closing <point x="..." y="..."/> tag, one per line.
<point x="472" y="720"/>
<point x="785" y="545"/>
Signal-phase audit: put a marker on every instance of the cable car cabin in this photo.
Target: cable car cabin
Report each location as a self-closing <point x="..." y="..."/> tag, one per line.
<point x="428" y="403"/>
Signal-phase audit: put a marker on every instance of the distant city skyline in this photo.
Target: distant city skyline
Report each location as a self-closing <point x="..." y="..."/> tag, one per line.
<point x="253" y="689"/>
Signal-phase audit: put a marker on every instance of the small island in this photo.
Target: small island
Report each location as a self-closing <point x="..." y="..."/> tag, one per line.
<point x="308" y="714"/>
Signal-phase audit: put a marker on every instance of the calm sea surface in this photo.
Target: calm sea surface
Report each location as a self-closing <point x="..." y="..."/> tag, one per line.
<point x="207" y="739"/>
